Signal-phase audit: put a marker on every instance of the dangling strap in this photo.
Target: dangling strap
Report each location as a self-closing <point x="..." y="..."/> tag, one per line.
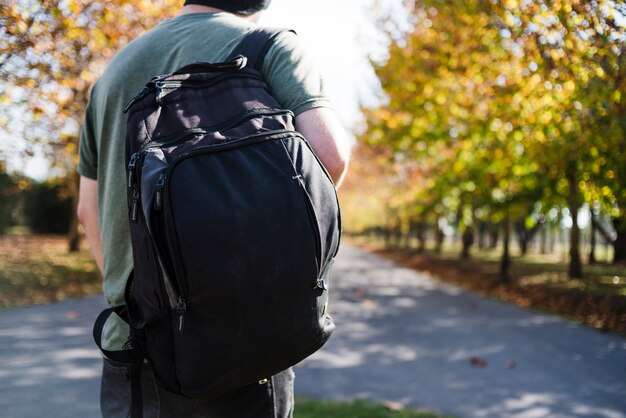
<point x="129" y="355"/>
<point x="136" y="393"/>
<point x="255" y="45"/>
<point x="132" y="354"/>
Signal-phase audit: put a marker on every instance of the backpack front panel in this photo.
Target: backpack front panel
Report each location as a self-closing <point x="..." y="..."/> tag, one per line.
<point x="235" y="227"/>
<point x="249" y="271"/>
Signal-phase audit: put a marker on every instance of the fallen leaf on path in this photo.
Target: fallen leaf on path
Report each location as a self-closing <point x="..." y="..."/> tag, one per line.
<point x="478" y="362"/>
<point x="72" y="315"/>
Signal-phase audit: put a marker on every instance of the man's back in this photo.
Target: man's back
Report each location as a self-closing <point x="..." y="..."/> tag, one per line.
<point x="208" y="37"/>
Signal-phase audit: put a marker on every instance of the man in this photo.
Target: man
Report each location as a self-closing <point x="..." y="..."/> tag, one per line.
<point x="204" y="30"/>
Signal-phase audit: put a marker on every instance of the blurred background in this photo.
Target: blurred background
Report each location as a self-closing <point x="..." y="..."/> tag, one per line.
<point x="489" y="151"/>
<point x="489" y="137"/>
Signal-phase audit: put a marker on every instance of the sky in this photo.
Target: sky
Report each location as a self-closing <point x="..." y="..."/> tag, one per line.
<point x="342" y="35"/>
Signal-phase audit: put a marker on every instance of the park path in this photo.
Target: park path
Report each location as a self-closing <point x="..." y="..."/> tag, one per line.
<point x="401" y="337"/>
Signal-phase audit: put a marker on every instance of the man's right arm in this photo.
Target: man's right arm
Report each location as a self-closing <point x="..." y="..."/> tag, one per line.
<point x="328" y="139"/>
<point x="88" y="216"/>
<point x="296" y="83"/>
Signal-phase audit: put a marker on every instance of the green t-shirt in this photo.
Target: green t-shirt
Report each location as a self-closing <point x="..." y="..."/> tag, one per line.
<point x="291" y="76"/>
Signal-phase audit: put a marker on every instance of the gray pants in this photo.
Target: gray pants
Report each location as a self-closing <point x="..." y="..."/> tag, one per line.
<point x="273" y="399"/>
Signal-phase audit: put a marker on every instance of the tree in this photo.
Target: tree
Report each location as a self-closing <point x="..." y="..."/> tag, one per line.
<point x="51" y="52"/>
<point x="8" y="193"/>
<point x="511" y="104"/>
<point x="451" y="108"/>
<point x="47" y="209"/>
<point x="577" y="50"/>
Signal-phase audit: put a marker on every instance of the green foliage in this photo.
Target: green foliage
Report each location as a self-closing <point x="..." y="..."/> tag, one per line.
<point x="46" y="209"/>
<point x="51" y="52"/>
<point x="503" y="104"/>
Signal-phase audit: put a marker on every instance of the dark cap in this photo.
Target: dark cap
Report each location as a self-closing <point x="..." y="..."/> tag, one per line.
<point x="242" y="7"/>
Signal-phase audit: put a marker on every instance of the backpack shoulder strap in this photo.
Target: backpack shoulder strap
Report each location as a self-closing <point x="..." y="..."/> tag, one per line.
<point x="255" y="45"/>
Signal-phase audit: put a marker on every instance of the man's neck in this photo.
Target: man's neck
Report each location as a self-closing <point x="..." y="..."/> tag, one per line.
<point x="197" y="8"/>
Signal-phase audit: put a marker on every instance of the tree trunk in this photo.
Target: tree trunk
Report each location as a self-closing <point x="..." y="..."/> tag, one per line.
<point x="420" y="231"/>
<point x="439" y="238"/>
<point x="482" y="229"/>
<point x="573" y="202"/>
<point x="525" y="236"/>
<point x="619" y="243"/>
<point x="73" y="235"/>
<point x="467" y="240"/>
<point x="592" y="238"/>
<point x="619" y="223"/>
<point x="543" y="241"/>
<point x="505" y="261"/>
<point x="522" y="238"/>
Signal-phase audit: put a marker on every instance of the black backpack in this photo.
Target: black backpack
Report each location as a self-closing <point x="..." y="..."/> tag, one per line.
<point x="234" y="225"/>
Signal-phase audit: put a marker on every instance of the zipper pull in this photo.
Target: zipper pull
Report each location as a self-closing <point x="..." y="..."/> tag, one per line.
<point x="181" y="308"/>
<point x="321" y="284"/>
<point x="131" y="169"/>
<point x="135" y="205"/>
<point x="159" y="88"/>
<point x="158" y="194"/>
<point x="162" y="85"/>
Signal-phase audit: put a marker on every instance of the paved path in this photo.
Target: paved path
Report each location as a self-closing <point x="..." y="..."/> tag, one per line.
<point x="401" y="337"/>
<point x="49" y="366"/>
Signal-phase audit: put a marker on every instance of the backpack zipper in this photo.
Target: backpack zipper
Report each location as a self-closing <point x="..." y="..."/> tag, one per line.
<point x="163" y="79"/>
<point x="132" y="183"/>
<point x="162" y="85"/>
<point x="181" y="308"/>
<point x="158" y="193"/>
<point x="131" y="169"/>
<point x="174" y="298"/>
<point x="299" y="135"/>
<point x="319" y="283"/>
<point x="222" y="126"/>
<point x="224" y="146"/>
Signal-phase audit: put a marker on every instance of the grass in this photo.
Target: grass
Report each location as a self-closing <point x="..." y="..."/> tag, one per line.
<point x="537" y="281"/>
<point x="38" y="269"/>
<point x="306" y="408"/>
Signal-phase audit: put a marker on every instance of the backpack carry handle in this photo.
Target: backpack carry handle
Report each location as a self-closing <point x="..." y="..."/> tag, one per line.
<point x="235" y="64"/>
